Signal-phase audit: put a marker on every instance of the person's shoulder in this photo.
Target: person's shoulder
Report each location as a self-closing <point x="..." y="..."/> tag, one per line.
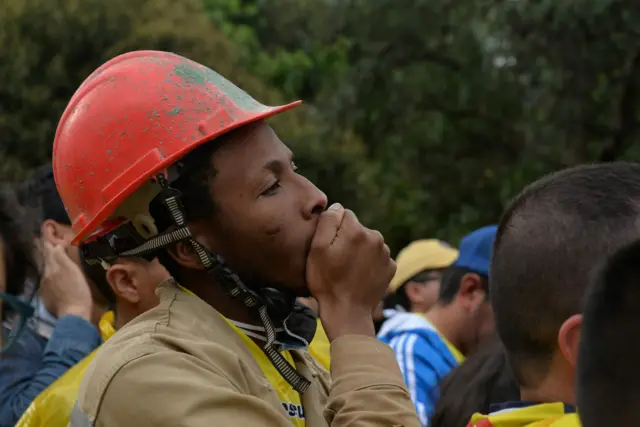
<point x="188" y="378"/>
<point x="169" y="335"/>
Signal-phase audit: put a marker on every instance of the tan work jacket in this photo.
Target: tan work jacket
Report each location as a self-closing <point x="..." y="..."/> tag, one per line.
<point x="182" y="365"/>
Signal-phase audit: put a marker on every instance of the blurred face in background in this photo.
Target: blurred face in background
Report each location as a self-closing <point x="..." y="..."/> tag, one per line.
<point x="475" y="312"/>
<point x="134" y="282"/>
<point x="57" y="233"/>
<point x="423" y="290"/>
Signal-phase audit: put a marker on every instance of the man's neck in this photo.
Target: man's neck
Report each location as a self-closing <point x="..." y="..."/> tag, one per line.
<point x="557" y="385"/>
<point x="231" y="308"/>
<point x="121" y="316"/>
<point x="446" y="321"/>
<point x="549" y="392"/>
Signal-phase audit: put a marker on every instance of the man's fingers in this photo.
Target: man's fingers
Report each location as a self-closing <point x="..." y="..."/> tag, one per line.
<point x="350" y="230"/>
<point x="328" y="226"/>
<point x="54" y="255"/>
<point x="386" y="250"/>
<point x="47" y="251"/>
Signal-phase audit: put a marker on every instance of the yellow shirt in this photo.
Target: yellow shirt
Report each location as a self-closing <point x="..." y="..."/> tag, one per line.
<point x="289" y="398"/>
<point x="320" y="347"/>
<point x="52" y="407"/>
<point x="541" y="415"/>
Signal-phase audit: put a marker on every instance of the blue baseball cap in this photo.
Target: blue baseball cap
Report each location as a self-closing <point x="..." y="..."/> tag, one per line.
<point x="475" y="250"/>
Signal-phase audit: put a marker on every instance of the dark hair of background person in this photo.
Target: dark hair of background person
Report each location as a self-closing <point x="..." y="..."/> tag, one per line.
<point x="450" y="285"/>
<point x="547" y="245"/>
<point x="17" y="238"/>
<point x="39" y="192"/>
<point x="485" y="378"/>
<point x="608" y="387"/>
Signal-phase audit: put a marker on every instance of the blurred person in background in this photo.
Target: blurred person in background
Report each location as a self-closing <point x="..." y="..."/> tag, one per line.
<point x="428" y="346"/>
<point x="484" y="379"/>
<point x="18" y="266"/>
<point x="550" y="242"/>
<point x="201" y="181"/>
<point x="40" y="194"/>
<point x="608" y="384"/>
<point x="416" y="285"/>
<point x="129" y="289"/>
<point x="63" y="330"/>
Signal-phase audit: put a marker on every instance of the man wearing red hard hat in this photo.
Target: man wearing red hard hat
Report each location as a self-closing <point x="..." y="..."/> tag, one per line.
<point x="159" y="156"/>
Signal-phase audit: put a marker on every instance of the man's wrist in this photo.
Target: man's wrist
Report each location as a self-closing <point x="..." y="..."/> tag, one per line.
<point x="347" y="322"/>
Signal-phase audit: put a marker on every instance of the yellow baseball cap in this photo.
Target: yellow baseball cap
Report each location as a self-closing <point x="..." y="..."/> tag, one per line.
<point x="421" y="255"/>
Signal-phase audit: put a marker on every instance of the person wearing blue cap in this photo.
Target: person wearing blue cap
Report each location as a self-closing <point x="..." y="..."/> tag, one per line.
<point x="429" y="345"/>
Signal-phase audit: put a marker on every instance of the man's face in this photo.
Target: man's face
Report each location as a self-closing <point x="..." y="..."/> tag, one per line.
<point x="486" y="326"/>
<point x="427" y="290"/>
<point x="476" y="311"/>
<point x="267" y="213"/>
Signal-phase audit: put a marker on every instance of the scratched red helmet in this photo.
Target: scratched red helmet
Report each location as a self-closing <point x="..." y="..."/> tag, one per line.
<point x="132" y="118"/>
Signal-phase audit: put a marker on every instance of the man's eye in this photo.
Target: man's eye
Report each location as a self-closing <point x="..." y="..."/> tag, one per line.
<point x="272" y="189"/>
<point x="295" y="167"/>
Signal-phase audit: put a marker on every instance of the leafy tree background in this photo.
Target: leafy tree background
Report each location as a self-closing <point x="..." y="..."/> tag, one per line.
<point x="425" y="117"/>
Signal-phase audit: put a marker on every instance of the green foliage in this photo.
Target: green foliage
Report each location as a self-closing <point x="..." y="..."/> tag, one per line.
<point x="50" y="46"/>
<point x="425" y="117"/>
<point x="286" y="42"/>
<point x="461" y="104"/>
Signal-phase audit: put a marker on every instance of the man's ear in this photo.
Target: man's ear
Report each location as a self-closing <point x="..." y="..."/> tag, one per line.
<point x="56" y="233"/>
<point x="121" y="278"/>
<point x="183" y="252"/>
<point x="569" y="338"/>
<point x="413" y="289"/>
<point x="471" y="293"/>
<point x="185" y="255"/>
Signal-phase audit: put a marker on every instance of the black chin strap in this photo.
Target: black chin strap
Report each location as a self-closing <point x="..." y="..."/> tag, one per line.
<point x="215" y="266"/>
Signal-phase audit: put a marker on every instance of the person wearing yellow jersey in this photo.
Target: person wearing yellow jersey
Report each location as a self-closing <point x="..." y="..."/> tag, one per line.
<point x="428" y="346"/>
<point x="53" y="406"/>
<point x="550" y="242"/>
<point x="157" y="155"/>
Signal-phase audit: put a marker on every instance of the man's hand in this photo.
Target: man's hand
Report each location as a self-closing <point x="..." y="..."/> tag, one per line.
<point x="64" y="289"/>
<point x="348" y="272"/>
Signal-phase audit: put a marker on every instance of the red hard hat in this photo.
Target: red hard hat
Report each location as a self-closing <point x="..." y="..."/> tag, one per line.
<point x="132" y="118"/>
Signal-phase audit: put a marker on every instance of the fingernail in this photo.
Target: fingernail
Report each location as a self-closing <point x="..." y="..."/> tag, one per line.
<point x="335" y="207"/>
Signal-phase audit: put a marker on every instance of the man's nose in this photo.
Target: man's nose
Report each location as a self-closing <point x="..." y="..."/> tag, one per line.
<point x="316" y="201"/>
